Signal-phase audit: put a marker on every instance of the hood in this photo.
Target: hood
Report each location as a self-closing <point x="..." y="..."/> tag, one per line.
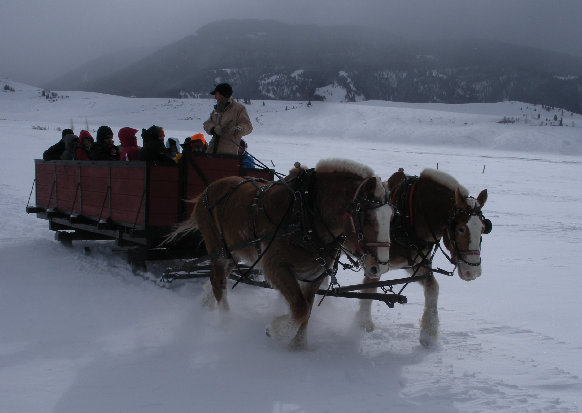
<point x="85" y="135"/>
<point x="127" y="137"/>
<point x="168" y="143"/>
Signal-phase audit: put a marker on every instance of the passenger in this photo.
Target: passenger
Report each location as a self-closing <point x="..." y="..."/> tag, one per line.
<point x="228" y="122"/>
<point x="172" y="147"/>
<point x="84" y="148"/>
<point x="104" y="149"/>
<point x="195" y="143"/>
<point x="247" y="160"/>
<point x="153" y="145"/>
<point x="54" y="152"/>
<point x="129" y="142"/>
<point x="71" y="144"/>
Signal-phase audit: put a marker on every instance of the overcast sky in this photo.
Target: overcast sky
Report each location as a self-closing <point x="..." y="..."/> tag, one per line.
<point x="42" y="39"/>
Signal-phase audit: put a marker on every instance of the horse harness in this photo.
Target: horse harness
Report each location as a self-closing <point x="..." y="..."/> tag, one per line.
<point x="456" y="253"/>
<point x="402" y="229"/>
<point x="304" y="213"/>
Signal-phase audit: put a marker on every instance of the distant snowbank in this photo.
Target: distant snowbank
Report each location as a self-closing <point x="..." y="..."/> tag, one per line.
<point x="528" y="128"/>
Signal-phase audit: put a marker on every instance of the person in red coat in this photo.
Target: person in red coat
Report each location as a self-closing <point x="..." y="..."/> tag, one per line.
<point x="129" y="142"/>
<point x="85" y="143"/>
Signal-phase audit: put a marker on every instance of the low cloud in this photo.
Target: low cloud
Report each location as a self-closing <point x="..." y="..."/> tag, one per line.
<point x="42" y="40"/>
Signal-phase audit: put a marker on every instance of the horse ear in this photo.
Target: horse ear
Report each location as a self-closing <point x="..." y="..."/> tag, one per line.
<point x="395" y="180"/>
<point x="370" y="186"/>
<point x="482" y="198"/>
<point x="459" y="199"/>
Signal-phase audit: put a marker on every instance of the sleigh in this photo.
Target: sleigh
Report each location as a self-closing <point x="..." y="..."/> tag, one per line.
<point x="134" y="204"/>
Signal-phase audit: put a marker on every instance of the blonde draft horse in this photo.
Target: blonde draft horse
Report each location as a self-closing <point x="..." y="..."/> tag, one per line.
<point x="295" y="228"/>
<point x="428" y="208"/>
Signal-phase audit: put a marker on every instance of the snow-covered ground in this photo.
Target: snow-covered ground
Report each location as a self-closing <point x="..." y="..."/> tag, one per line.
<point x="80" y="333"/>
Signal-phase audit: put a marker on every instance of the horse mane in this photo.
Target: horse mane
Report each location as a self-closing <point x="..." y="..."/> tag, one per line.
<point x="344" y="165"/>
<point x="445" y="180"/>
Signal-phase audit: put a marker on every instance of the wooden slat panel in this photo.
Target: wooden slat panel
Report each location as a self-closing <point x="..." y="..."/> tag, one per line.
<point x="95" y="171"/>
<point x="162" y="220"/>
<point x="168" y="174"/>
<point x="44" y="185"/>
<point x="164" y="190"/>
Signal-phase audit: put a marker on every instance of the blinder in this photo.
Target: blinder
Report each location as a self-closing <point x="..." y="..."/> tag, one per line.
<point x="488" y="225"/>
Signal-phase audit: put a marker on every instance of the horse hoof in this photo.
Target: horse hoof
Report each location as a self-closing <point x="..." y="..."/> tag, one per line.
<point x="365" y="322"/>
<point x="367" y="326"/>
<point x="282" y="327"/>
<point x="298" y="344"/>
<point x="427" y="340"/>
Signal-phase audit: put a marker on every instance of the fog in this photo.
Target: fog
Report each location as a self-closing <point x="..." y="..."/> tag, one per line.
<point x="42" y="40"/>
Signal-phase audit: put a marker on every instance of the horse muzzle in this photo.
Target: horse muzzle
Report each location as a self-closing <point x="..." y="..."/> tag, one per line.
<point x="469" y="270"/>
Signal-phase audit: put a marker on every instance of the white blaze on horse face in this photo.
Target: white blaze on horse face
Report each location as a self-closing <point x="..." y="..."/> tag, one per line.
<point x="382" y="216"/>
<point x="470" y="256"/>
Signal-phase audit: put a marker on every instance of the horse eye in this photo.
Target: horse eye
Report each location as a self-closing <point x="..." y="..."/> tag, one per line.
<point x="461" y="230"/>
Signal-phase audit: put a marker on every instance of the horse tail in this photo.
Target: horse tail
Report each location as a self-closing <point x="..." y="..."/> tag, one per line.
<point x="185" y="227"/>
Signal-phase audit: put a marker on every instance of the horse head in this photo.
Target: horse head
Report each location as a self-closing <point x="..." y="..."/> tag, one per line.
<point x="462" y="236"/>
<point x="367" y="227"/>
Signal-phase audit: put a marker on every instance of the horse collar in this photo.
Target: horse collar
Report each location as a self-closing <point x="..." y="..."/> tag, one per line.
<point x="402" y="226"/>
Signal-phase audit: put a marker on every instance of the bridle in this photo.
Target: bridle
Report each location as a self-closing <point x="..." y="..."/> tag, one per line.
<point x="353" y="220"/>
<point x="458" y="254"/>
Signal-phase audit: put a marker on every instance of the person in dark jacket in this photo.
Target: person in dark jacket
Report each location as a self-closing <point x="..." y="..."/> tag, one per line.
<point x="129" y="142"/>
<point x="71" y="145"/>
<point x="54" y="152"/>
<point x="104" y="149"/>
<point x="154" y="149"/>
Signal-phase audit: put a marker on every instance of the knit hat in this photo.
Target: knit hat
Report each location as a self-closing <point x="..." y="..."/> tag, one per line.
<point x="104" y="132"/>
<point x="85" y="135"/>
<point x="224" y="89"/>
<point x="198" y="137"/>
<point x="66" y="132"/>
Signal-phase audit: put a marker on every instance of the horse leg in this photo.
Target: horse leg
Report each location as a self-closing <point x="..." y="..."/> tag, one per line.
<point x="300" y="340"/>
<point x="364" y="315"/>
<point x="288" y="325"/>
<point x="429" y="323"/>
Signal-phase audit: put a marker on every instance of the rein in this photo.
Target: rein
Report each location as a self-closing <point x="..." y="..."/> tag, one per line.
<point x="363" y="246"/>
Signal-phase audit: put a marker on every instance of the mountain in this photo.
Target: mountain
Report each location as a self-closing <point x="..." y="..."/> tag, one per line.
<point x="270" y="60"/>
<point x="84" y="76"/>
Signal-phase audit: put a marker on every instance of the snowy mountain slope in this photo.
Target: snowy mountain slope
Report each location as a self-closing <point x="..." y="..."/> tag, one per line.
<point x="81" y="333"/>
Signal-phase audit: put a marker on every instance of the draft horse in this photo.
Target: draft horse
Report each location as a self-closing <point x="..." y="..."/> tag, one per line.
<point x="427" y="209"/>
<point x="294" y="230"/>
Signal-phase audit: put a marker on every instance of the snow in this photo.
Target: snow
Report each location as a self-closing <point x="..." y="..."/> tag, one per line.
<point x="81" y="333"/>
